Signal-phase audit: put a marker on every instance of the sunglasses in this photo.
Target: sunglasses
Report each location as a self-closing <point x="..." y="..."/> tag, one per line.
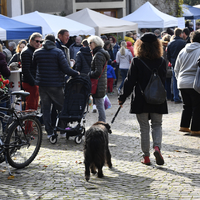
<point x="38" y="41"/>
<point x="91" y="42"/>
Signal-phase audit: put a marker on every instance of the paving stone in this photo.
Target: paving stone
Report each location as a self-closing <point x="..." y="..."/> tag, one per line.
<point x="58" y="170"/>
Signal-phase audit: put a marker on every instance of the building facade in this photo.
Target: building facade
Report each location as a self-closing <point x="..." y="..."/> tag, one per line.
<point x="114" y="8"/>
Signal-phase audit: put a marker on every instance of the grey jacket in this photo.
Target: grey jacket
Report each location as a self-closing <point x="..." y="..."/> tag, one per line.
<point x="186" y="65"/>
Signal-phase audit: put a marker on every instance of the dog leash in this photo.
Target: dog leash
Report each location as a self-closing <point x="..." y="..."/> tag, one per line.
<point x="116" y="114"/>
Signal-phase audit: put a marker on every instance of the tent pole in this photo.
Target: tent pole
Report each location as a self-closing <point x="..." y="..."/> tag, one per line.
<point x="194" y="24"/>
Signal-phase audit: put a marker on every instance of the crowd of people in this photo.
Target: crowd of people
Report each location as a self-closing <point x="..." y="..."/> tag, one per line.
<point x="47" y="64"/>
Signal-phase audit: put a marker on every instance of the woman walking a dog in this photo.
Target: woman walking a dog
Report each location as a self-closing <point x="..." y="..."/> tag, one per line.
<point x="98" y="68"/>
<point x="147" y="49"/>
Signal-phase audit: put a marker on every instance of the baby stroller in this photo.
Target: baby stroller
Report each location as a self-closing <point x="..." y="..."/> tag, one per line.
<point x="77" y="92"/>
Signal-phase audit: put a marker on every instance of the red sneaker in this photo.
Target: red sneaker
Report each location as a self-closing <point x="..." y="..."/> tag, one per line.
<point x="146" y="160"/>
<point x="157" y="154"/>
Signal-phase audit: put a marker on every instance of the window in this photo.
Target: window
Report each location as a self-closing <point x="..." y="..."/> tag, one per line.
<point x="110" y="12"/>
<point x="3" y="7"/>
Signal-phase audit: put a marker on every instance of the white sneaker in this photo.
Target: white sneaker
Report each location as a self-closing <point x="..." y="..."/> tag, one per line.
<point x="94" y="109"/>
<point x="119" y="92"/>
<point x="48" y="136"/>
<point x="63" y="135"/>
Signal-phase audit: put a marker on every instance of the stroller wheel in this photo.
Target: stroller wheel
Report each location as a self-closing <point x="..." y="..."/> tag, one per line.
<point x="78" y="139"/>
<point x="53" y="139"/>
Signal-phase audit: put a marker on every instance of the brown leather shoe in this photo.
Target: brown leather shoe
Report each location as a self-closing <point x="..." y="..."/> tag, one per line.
<point x="193" y="133"/>
<point x="183" y="129"/>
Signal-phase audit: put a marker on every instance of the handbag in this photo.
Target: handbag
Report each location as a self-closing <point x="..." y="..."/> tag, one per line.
<point x="94" y="82"/>
<point x="196" y="84"/>
<point x="169" y="70"/>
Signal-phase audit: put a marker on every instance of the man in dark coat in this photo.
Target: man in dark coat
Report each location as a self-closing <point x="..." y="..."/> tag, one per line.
<point x="63" y="38"/>
<point x="75" y="47"/>
<point x="51" y="66"/>
<point x="186" y="34"/>
<point x="173" y="49"/>
<point x="83" y="58"/>
<point x="28" y="71"/>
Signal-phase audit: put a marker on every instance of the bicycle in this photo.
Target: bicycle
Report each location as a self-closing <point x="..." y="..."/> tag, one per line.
<point x="21" y="140"/>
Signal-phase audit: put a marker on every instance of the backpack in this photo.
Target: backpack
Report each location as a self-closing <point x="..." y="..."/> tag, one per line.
<point x="154" y="92"/>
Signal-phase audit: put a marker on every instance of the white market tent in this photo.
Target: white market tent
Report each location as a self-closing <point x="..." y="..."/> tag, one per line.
<point x="51" y="24"/>
<point x="197" y="6"/>
<point x="103" y="24"/>
<point x="147" y="16"/>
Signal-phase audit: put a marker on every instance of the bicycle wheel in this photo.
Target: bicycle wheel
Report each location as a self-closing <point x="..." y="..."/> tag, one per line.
<point x="24" y="141"/>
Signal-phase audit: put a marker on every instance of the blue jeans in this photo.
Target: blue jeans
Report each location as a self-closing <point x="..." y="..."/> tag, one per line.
<point x="123" y="73"/>
<point x="168" y="88"/>
<point x="48" y="96"/>
<point x="175" y="89"/>
<point x="156" y="127"/>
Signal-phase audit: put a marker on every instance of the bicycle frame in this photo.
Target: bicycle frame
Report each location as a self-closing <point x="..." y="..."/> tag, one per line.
<point x="13" y="116"/>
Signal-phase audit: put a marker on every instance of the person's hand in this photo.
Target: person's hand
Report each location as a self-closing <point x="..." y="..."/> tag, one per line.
<point x="78" y="73"/>
<point x="120" y="103"/>
<point x="73" y="62"/>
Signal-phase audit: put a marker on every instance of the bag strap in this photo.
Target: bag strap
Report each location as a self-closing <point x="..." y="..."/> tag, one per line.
<point x="150" y="70"/>
<point x="103" y="70"/>
<point x="149" y="67"/>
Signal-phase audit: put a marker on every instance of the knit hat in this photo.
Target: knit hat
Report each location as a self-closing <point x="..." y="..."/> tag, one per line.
<point x="148" y="37"/>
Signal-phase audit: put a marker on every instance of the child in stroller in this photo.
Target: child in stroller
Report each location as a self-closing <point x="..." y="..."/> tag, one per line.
<point x="77" y="92"/>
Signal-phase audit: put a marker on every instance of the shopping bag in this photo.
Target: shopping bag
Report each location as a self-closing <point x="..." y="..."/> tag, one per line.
<point x="107" y="103"/>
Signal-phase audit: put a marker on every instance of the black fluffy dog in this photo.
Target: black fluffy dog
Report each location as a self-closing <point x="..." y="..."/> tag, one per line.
<point x="96" y="152"/>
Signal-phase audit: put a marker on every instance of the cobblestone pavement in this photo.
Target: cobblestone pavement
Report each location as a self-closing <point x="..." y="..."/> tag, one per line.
<point x="58" y="170"/>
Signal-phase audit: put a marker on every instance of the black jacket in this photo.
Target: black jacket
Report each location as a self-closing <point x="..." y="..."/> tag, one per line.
<point x="28" y="71"/>
<point x="64" y="48"/>
<point x="15" y="58"/>
<point x="83" y="60"/>
<point x="140" y="74"/>
<point x="173" y="49"/>
<point x="4" y="71"/>
<point x="74" y="49"/>
<point x="51" y="66"/>
<point x="100" y="56"/>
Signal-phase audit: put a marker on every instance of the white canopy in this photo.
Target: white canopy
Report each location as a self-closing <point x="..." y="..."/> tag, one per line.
<point x="197" y="6"/>
<point x="102" y="23"/>
<point x="51" y="24"/>
<point x="147" y="16"/>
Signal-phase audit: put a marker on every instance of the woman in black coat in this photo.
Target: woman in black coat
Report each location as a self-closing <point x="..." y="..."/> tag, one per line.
<point x="148" y="49"/>
<point x="99" y="69"/>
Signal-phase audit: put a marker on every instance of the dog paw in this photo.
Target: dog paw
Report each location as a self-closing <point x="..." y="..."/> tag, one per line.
<point x="87" y="178"/>
<point x="100" y="175"/>
<point x="110" y="166"/>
